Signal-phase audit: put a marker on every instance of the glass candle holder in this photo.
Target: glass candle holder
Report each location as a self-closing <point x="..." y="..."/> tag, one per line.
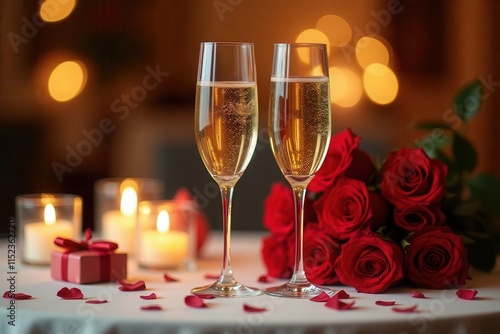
<point x="166" y="235"/>
<point x="116" y="207"/>
<point x="44" y="217"/>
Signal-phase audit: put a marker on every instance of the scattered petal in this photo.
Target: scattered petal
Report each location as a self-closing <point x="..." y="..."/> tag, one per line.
<point x="211" y="276"/>
<point x="407" y="309"/>
<point x="151" y="308"/>
<point x="169" y="278"/>
<point x="417" y="294"/>
<point x="466" y="294"/>
<point x="96" y="301"/>
<point x="265" y="279"/>
<point x="17" y="296"/>
<point x="337" y="304"/>
<point x="194" y="301"/>
<point x="73" y="293"/>
<point x="137" y="286"/>
<point x="322" y="297"/>
<point x="205" y="295"/>
<point x="341" y="294"/>
<point x="385" y="303"/>
<point x="249" y="308"/>
<point x="150" y="296"/>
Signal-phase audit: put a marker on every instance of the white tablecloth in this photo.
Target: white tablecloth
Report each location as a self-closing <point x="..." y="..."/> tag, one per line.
<point x="441" y="312"/>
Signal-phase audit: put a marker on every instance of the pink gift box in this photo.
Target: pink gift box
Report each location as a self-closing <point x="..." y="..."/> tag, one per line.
<point x="86" y="266"/>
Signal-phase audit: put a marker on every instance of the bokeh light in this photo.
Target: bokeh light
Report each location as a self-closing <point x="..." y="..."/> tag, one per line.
<point x="345" y="87"/>
<point x="310" y="36"/>
<point x="380" y="83"/>
<point x="56" y="10"/>
<point x="337" y="30"/>
<point x="67" y="80"/>
<point x="370" y="50"/>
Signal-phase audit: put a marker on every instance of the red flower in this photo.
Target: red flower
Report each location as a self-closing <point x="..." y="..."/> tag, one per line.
<point x="337" y="160"/>
<point x="369" y="263"/>
<point x="414" y="217"/>
<point x="345" y="209"/>
<point x="279" y="212"/>
<point x="436" y="258"/>
<point x="275" y="254"/>
<point x="410" y="177"/>
<point x="361" y="167"/>
<point x="320" y="253"/>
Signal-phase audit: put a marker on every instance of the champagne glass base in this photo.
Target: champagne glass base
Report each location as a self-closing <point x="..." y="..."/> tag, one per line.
<point x="232" y="289"/>
<point x="296" y="290"/>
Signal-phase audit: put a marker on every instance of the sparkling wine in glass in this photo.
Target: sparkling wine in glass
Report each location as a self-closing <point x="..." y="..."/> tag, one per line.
<point x="226" y="121"/>
<point x="300" y="130"/>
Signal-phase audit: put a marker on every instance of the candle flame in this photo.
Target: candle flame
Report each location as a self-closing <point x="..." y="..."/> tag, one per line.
<point x="163" y="222"/>
<point x="128" y="202"/>
<point x="49" y="214"/>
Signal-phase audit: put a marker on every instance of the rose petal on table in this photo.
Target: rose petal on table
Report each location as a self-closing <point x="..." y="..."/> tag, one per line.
<point x="265" y="279"/>
<point x="417" y="294"/>
<point x="73" y="293"/>
<point x="337" y="304"/>
<point x="466" y="294"/>
<point x="150" y="296"/>
<point x="253" y="309"/>
<point x="151" y="308"/>
<point x="211" y="276"/>
<point x="205" y="295"/>
<point x="341" y="294"/>
<point x="194" y="301"/>
<point x="385" y="303"/>
<point x="322" y="297"/>
<point x="17" y="296"/>
<point x="96" y="301"/>
<point x="405" y="309"/>
<point x="137" y="286"/>
<point x="169" y="278"/>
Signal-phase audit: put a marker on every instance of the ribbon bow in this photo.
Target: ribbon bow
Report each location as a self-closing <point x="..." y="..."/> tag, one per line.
<point x="102" y="247"/>
<point x="86" y="244"/>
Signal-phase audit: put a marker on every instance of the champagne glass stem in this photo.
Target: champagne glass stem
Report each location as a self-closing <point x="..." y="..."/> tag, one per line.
<point x="299" y="275"/>
<point x="227" y="200"/>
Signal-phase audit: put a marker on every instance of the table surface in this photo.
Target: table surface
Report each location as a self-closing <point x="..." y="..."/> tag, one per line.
<point x="441" y="312"/>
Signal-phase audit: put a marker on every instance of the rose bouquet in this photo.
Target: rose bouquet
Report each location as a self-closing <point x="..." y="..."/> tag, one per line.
<point x="372" y="228"/>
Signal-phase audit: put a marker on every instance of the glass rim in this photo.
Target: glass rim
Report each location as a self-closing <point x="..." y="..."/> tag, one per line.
<point x="301" y="44"/>
<point x="177" y="203"/>
<point x="41" y="199"/>
<point x="228" y="43"/>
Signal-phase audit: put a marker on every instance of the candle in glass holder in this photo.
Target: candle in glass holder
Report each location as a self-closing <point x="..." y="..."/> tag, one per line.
<point x="43" y="218"/>
<point x="119" y="225"/>
<point x="165" y="237"/>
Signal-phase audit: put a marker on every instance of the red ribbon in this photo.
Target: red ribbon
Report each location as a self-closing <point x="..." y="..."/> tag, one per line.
<point x="101" y="247"/>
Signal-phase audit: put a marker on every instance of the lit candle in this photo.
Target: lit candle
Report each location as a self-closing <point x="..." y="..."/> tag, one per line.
<point x="119" y="225"/>
<point x="163" y="248"/>
<point x="39" y="236"/>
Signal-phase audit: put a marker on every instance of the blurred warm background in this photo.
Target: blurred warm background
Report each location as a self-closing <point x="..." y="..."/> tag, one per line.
<point x="105" y="88"/>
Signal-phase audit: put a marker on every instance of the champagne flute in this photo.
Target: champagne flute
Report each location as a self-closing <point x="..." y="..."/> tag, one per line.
<point x="226" y="121"/>
<point x="299" y="130"/>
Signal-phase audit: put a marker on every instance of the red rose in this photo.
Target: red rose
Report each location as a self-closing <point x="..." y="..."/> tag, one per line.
<point x="337" y="160"/>
<point x="275" y="254"/>
<point x="436" y="258"/>
<point x="345" y="209"/>
<point x="279" y="212"/>
<point x="409" y="177"/>
<point x="414" y="217"/>
<point x="361" y="167"/>
<point x="369" y="263"/>
<point x="320" y="253"/>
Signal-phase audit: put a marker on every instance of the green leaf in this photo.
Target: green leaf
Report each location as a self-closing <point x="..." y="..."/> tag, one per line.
<point x="486" y="189"/>
<point x="432" y="145"/>
<point x="431" y="125"/>
<point x="468" y="101"/>
<point x="464" y="152"/>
